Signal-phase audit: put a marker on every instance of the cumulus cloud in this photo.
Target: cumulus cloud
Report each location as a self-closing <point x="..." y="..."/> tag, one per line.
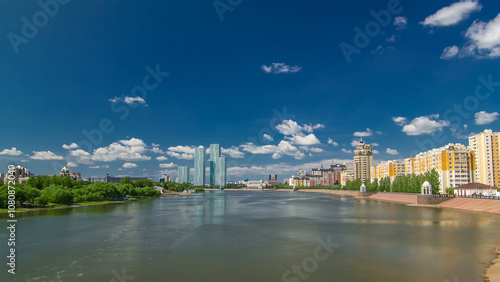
<point x="331" y="142"/>
<point x="71" y="164"/>
<point x="127" y="150"/>
<point x="283" y="148"/>
<point x="346" y="151"/>
<point x="425" y="125"/>
<point x="482" y="117"/>
<point x="376" y="152"/>
<point x="161" y="158"/>
<point x="391" y="151"/>
<point x="129" y="165"/>
<point x="355" y="142"/>
<point x="130" y="100"/>
<point x="484" y="40"/>
<point x="181" y="152"/>
<point x="400" y="22"/>
<point x="45" y="155"/>
<point x="366" y="133"/>
<point x="291" y="127"/>
<point x="310" y="139"/>
<point x="170" y="165"/>
<point x="99" y="166"/>
<point x="452" y="14"/>
<point x="81" y="156"/>
<point x="280" y="68"/>
<point x="70" y="146"/>
<point x="401" y="121"/>
<point x="233" y="152"/>
<point x="268" y="137"/>
<point x="450" y="52"/>
<point x="374" y="144"/>
<point x="311" y="149"/>
<point x="11" y="152"/>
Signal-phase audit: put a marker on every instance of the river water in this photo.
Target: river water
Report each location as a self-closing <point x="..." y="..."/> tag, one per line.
<point x="252" y="236"/>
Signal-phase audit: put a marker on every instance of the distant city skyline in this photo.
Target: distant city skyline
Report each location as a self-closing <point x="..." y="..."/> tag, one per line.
<point x="290" y="98"/>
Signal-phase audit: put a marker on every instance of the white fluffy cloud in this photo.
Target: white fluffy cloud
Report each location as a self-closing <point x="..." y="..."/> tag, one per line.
<point x="311" y="149"/>
<point x="400" y="22"/>
<point x="283" y="148"/>
<point x="129" y="165"/>
<point x="71" y="164"/>
<point x="346" y="151"/>
<point x="425" y="125"/>
<point x="70" y="146"/>
<point x="81" y="156"/>
<point x="376" y="152"/>
<point x="45" y="155"/>
<point x="161" y="158"/>
<point x="452" y="14"/>
<point x="289" y="127"/>
<point x="170" y="165"/>
<point x="181" y="152"/>
<point x="391" y="151"/>
<point x="331" y="142"/>
<point x="268" y="137"/>
<point x="129" y="100"/>
<point x="127" y="150"/>
<point x="450" y="52"/>
<point x="11" y="152"/>
<point x="366" y="133"/>
<point x="355" y="142"/>
<point x="233" y="152"/>
<point x="484" y="39"/>
<point x="401" y="121"/>
<point x="99" y="166"/>
<point x="310" y="139"/>
<point x="482" y="117"/>
<point x="280" y="68"/>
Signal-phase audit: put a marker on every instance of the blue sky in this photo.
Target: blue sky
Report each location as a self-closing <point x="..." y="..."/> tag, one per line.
<point x="236" y="73"/>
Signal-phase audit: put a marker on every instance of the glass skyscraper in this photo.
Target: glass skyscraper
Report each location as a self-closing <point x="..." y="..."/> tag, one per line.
<point x="199" y="166"/>
<point x="214" y="155"/>
<point x="220" y="171"/>
<point x="217" y="167"/>
<point x="183" y="174"/>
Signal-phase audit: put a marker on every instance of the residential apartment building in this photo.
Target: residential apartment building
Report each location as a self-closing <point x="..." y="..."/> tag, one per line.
<point x="454" y="164"/>
<point x="363" y="161"/>
<point x="389" y="169"/>
<point x="485" y="146"/>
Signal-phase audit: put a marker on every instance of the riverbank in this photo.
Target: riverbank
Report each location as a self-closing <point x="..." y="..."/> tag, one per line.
<point x="492" y="273"/>
<point x="463" y="204"/>
<point x="59" y="207"/>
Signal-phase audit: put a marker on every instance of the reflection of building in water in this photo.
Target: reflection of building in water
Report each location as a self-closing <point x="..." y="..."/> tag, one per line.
<point x="216" y="208"/>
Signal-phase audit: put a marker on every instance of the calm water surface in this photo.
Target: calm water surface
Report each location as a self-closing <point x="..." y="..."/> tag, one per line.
<point x="252" y="236"/>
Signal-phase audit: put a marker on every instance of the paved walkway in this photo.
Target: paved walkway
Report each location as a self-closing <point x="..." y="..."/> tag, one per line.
<point x="475" y="205"/>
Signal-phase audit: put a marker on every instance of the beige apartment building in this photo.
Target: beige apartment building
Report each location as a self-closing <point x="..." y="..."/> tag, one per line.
<point x="487" y="161"/>
<point x="363" y="161"/>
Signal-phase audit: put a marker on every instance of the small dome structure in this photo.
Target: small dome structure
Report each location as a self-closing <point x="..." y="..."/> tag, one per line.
<point x="426" y="188"/>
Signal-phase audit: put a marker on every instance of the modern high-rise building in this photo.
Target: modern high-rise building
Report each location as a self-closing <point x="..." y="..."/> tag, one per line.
<point x="215" y="155"/>
<point x="363" y="161"/>
<point x="183" y="174"/>
<point x="273" y="177"/>
<point x="485" y="146"/>
<point x="199" y="166"/>
<point x="214" y="151"/>
<point x="220" y="171"/>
